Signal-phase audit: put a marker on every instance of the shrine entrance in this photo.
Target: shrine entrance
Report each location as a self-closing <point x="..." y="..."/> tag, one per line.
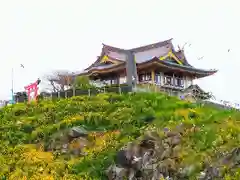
<point x="32" y="90"/>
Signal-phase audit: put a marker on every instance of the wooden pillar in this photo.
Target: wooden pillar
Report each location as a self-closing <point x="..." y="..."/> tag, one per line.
<point x="153" y="76"/>
<point x="173" y="80"/>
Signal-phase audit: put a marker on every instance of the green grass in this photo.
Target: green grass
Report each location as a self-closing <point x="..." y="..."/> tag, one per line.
<point x="25" y="128"/>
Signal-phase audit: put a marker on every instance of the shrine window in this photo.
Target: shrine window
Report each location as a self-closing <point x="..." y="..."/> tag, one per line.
<point x="145" y="77"/>
<point x="179" y="82"/>
<point x="168" y="80"/>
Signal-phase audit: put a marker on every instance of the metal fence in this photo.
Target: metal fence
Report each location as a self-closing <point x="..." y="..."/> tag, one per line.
<point x="89" y="92"/>
<point x="125" y="89"/>
<point x="212" y="100"/>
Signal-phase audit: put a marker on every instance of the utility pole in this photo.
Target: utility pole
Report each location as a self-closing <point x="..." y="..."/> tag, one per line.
<point x="131" y="69"/>
<point x="12" y="91"/>
<point x="12" y="77"/>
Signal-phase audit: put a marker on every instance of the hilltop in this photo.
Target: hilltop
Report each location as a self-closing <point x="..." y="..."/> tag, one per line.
<point x="81" y="137"/>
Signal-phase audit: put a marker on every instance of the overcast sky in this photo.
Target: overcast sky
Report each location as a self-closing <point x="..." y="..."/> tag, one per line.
<point x="48" y="34"/>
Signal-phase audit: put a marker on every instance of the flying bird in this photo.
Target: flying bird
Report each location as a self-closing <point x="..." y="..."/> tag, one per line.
<point x="228" y="50"/>
<point x="201" y="58"/>
<point x="22" y="66"/>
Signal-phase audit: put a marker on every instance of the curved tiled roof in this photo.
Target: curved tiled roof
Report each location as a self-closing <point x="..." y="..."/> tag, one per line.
<point x="154" y="45"/>
<point x="181" y="55"/>
<point x="106" y="49"/>
<point x="105" y="66"/>
<point x="166" y="47"/>
<point x="190" y="69"/>
<point x="99" y="59"/>
<point x="153" y="52"/>
<point x="141" y="48"/>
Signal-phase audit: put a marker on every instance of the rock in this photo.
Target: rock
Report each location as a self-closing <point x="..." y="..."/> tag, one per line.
<point x="202" y="175"/>
<point x="120" y="172"/>
<point x="180" y="128"/>
<point x="188" y="170"/>
<point x="76" y="132"/>
<point x="176" y="140"/>
<point x="176" y="151"/>
<point x="166" y="145"/>
<point x="150" y="159"/>
<point x="123" y="160"/>
<point x="169" y="163"/>
<point x="171" y="134"/>
<point x="76" y="152"/>
<point x="211" y="173"/>
<point x="153" y="135"/>
<point x="116" y="173"/>
<point x="111" y="174"/>
<point x="166" y="154"/>
<point x="147" y="144"/>
<point x="64" y="148"/>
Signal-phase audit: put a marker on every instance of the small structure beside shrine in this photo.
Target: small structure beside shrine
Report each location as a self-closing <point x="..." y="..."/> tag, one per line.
<point x="194" y="93"/>
<point x="159" y="64"/>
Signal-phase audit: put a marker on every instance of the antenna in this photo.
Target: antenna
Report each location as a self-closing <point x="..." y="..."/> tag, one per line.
<point x="179" y="49"/>
<point x="182" y="49"/>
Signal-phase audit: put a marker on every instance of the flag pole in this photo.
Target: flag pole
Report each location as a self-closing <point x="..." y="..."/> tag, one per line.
<point x="12" y="87"/>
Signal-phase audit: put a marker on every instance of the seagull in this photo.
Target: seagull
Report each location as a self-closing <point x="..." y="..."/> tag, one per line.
<point x="201" y="58"/>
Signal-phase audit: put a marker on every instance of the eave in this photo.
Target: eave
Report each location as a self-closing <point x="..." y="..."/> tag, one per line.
<point x="107" y="69"/>
<point x="199" y="73"/>
<point x="105" y="58"/>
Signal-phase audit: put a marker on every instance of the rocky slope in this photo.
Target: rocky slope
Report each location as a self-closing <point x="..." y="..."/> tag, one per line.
<point x="109" y="136"/>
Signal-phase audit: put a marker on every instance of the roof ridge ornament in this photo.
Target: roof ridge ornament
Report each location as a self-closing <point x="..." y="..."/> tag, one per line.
<point x="181" y="49"/>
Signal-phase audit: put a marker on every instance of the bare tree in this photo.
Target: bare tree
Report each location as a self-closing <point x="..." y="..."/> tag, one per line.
<point x="60" y="80"/>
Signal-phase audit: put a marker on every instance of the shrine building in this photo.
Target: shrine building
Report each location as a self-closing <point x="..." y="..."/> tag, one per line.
<point x="157" y="63"/>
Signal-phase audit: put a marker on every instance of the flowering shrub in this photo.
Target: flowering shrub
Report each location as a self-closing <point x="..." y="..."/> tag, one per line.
<point x="111" y="120"/>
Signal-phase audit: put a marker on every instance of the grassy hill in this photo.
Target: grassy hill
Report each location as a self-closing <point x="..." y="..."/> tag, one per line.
<point x="37" y="141"/>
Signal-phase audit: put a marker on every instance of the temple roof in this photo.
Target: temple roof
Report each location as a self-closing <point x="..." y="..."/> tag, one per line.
<point x="195" y="87"/>
<point x="119" y="54"/>
<point x="199" y="92"/>
<point x="104" y="67"/>
<point x="192" y="70"/>
<point x="141" y="48"/>
<point x="144" y="53"/>
<point x="162" y="52"/>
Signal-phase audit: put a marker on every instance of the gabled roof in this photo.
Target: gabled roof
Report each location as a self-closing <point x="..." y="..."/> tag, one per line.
<point x="200" y="92"/>
<point x="167" y="43"/>
<point x="195" y="87"/>
<point x="181" y="55"/>
<point x="163" y="55"/>
<point x="100" y="58"/>
<point x="141" y="48"/>
<point x="111" y="51"/>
